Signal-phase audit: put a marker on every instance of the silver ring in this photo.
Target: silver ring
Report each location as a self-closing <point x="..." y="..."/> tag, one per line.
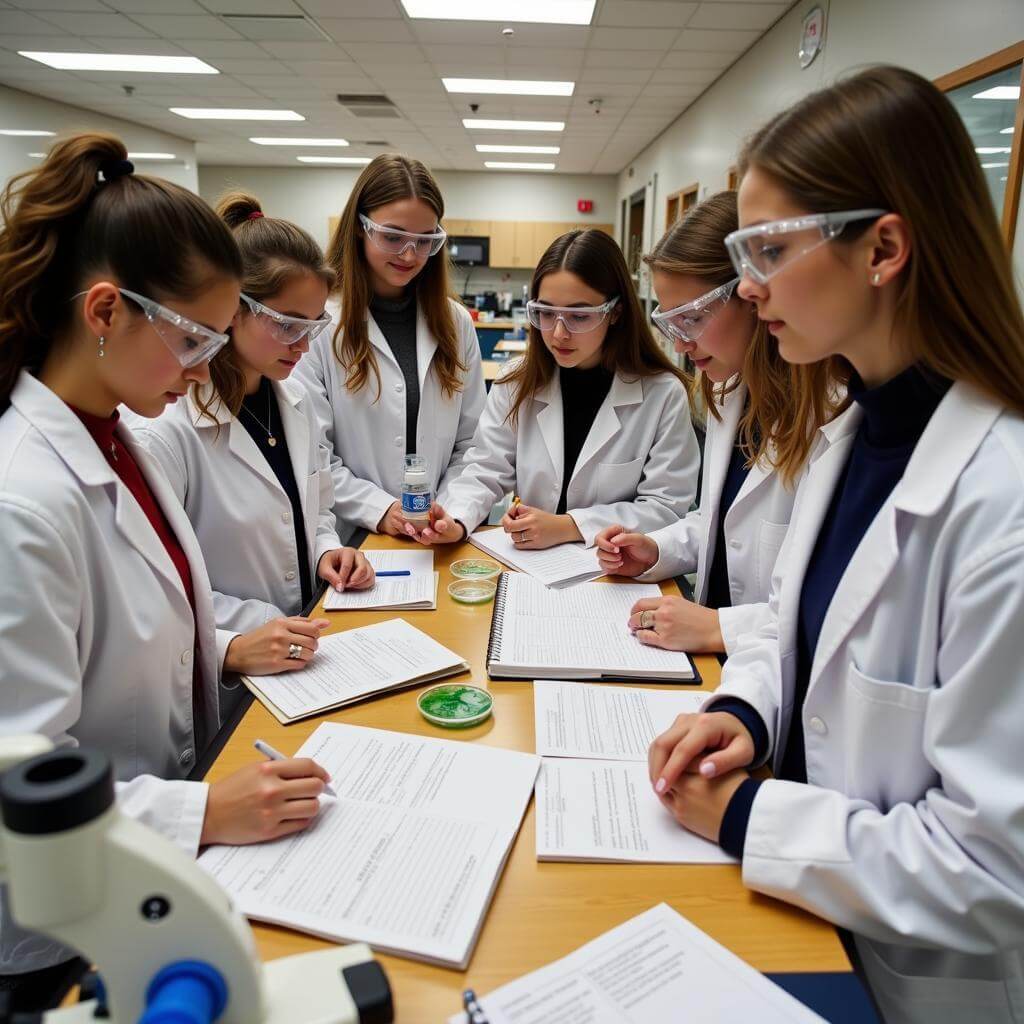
<point x="647" y="620"/>
<point x="294" y="652"/>
<point x="521" y="536"/>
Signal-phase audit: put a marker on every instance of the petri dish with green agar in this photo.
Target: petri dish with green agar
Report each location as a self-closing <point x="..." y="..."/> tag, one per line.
<point x="472" y="591"/>
<point x="475" y="569"/>
<point x="455" y="705"/>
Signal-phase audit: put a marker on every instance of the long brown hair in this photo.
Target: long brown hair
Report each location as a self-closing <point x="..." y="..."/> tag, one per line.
<point x="62" y="224"/>
<point x="629" y="347"/>
<point x="387" y="179"/>
<point x="887" y="138"/>
<point x="273" y="252"/>
<point x="787" y="403"/>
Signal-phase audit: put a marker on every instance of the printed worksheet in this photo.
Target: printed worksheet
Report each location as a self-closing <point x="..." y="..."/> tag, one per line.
<point x="564" y="565"/>
<point x="417" y="591"/>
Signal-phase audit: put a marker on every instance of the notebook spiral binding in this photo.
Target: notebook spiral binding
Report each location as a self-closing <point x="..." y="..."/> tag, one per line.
<point x="497" y="621"/>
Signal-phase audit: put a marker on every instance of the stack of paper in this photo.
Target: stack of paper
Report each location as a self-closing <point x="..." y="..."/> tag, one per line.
<point x="406" y="858"/>
<point x="564" y="565"/>
<point x="595" y="801"/>
<point x="582" y="633"/>
<point x="355" y="664"/>
<point x="655" y="969"/>
<point x="417" y="591"/>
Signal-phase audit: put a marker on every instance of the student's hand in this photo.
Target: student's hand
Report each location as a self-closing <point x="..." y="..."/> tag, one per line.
<point x="625" y="554"/>
<point x="393" y="523"/>
<point x="266" y="650"/>
<point x="532" y="529"/>
<point x="675" y="624"/>
<point x="345" y="569"/>
<point x="440" y="528"/>
<point x="700" y="804"/>
<point x="677" y="750"/>
<point x="263" y="801"/>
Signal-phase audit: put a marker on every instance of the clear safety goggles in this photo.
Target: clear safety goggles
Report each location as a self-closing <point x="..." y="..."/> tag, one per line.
<point x="689" y="321"/>
<point x="288" y="330"/>
<point x="395" y="242"/>
<point x="576" y="319"/>
<point x="189" y="342"/>
<point x="764" y="249"/>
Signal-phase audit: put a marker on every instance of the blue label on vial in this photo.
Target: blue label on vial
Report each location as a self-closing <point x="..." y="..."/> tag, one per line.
<point x="415" y="504"/>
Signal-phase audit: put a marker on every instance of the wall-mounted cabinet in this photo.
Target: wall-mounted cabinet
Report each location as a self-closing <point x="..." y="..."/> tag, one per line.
<point x="518" y="243"/>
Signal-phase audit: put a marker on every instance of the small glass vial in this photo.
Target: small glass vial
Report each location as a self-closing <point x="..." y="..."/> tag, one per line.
<point x="417" y="496"/>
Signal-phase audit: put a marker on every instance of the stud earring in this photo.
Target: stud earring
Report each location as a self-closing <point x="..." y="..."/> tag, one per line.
<point x="876" y="279"/>
<point x="102" y="343"/>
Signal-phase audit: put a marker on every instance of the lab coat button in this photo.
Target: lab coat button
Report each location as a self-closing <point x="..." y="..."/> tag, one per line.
<point x="399" y="441"/>
<point x="817" y="725"/>
<point x="735" y="544"/>
<point x="737" y="589"/>
<point x="290" y="574"/>
<point x="399" y="388"/>
<point x="286" y="517"/>
<point x="186" y="756"/>
<point x="186" y="657"/>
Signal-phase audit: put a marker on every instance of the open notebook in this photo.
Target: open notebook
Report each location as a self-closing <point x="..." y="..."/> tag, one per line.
<point x="564" y="565"/>
<point x="355" y="664"/>
<point x="406" y="858"/>
<point x="582" y="633"/>
<point x="417" y="591"/>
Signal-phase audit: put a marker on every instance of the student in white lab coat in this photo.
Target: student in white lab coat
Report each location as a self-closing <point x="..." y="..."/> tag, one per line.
<point x="763" y="416"/>
<point x="399" y="371"/>
<point x="887" y="691"/>
<point x="117" y="288"/>
<point x="591" y="425"/>
<point x="242" y="452"/>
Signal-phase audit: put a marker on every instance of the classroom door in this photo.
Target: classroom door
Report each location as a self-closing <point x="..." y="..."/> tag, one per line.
<point x="635" y="239"/>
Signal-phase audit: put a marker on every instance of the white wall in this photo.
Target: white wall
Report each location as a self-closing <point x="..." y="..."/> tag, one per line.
<point x="23" y="110"/>
<point x="932" y="37"/>
<point x="309" y="195"/>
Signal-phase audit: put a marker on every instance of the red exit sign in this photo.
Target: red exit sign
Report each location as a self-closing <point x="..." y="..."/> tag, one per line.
<point x="585" y="205"/>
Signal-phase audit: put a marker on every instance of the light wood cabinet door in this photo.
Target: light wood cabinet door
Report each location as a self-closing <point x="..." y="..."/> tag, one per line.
<point x="503" y="243"/>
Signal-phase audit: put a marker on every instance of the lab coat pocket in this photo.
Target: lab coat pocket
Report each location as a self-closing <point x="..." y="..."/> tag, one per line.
<point x="617" y="481"/>
<point x="770" y="538"/>
<point x="883" y="736"/>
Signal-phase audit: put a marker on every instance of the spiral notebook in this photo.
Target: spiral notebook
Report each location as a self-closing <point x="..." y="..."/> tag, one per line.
<point x="581" y="633"/>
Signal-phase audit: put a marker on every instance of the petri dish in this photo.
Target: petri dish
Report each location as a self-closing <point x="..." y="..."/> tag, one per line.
<point x="455" y="705"/>
<point x="475" y="569"/>
<point x="472" y="591"/>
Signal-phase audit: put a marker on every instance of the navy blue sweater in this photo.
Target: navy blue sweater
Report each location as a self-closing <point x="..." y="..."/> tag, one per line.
<point x="895" y="416"/>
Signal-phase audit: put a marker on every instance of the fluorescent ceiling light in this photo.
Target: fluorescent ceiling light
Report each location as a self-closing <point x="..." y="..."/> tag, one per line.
<point x="23" y="131"/>
<point x="334" y="159"/>
<point x="275" y="141"/>
<point x="38" y="156"/>
<point x="508" y="87"/>
<point x="512" y="165"/>
<point x="999" y="92"/>
<point x="990" y="166"/>
<point x="1007" y="131"/>
<point x="151" y="156"/>
<point x="235" y="114"/>
<point x="475" y="124"/>
<point x="989" y="150"/>
<point x="142" y="62"/>
<point x="545" y="12"/>
<point x="550" y="150"/>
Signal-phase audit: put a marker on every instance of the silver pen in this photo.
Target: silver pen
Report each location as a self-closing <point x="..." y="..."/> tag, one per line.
<point x="275" y="755"/>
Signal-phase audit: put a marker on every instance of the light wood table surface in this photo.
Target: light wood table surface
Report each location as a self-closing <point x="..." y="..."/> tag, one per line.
<point x="540" y="912"/>
<point x="511" y="345"/>
<point x="492" y="369"/>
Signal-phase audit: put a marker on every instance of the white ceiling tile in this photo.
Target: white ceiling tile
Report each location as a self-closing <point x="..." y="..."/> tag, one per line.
<point x="116" y="26"/>
<point x="696" y="59"/>
<point x="631" y="38"/>
<point x="255" y="7"/>
<point x="453" y="56"/>
<point x="645" y="13"/>
<point x="146" y="6"/>
<point x="255" y="67"/>
<point x="737" y="15"/>
<point x="22" y="23"/>
<point x="720" y="41"/>
<point x="324" y="68"/>
<point x="187" y="26"/>
<point x="367" y="30"/>
<point x="534" y="56"/>
<point x="611" y="76"/>
<point x="352" y="8"/>
<point x="16" y="41"/>
<point x="384" y="53"/>
<point x="61" y="5"/>
<point x="159" y="47"/>
<point x="684" y="76"/>
<point x="224" y="49"/>
<point x="304" y="51"/>
<point x="622" y="58"/>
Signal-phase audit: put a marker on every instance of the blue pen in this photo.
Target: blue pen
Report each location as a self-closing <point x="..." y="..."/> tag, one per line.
<point x="394" y="572"/>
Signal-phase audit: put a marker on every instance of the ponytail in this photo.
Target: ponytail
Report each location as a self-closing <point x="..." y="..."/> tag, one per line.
<point x="82" y="213"/>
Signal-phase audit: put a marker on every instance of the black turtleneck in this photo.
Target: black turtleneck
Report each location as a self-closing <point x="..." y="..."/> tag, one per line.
<point x="895" y="416"/>
<point x="396" y="319"/>
<point x="583" y="393"/>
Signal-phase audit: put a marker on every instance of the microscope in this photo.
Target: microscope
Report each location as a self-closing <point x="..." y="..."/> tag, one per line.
<point x="169" y="946"/>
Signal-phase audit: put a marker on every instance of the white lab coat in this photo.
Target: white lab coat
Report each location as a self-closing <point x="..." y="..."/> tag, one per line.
<point x="366" y="435"/>
<point x="638" y="465"/>
<point x="95" y="627"/>
<point x="239" y="511"/>
<point x="911" y="831"/>
<point x="755" y="527"/>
